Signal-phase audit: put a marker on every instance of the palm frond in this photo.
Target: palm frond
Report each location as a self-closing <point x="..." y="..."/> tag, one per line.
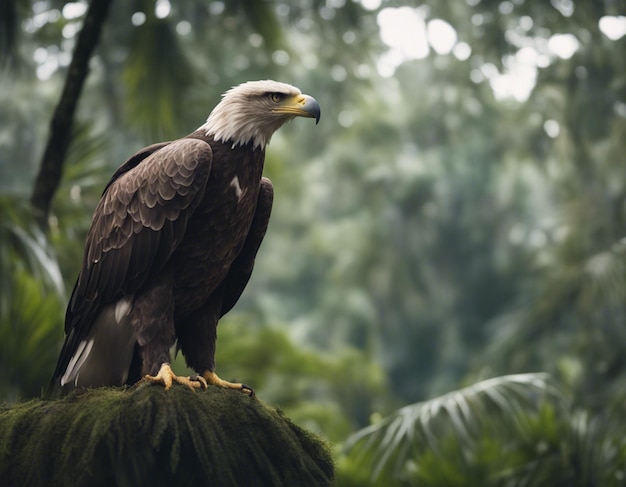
<point x="30" y="333"/>
<point x="157" y="75"/>
<point x="23" y="246"/>
<point x="468" y="415"/>
<point x="596" y="446"/>
<point x="31" y="296"/>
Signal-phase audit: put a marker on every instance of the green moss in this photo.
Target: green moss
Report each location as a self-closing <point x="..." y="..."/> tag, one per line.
<point x="148" y="436"/>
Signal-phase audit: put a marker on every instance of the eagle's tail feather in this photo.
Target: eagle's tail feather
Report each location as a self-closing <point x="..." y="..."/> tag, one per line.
<point x="102" y="358"/>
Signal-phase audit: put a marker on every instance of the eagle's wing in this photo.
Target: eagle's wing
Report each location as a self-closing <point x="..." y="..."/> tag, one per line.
<point x="241" y="269"/>
<point x="138" y="223"/>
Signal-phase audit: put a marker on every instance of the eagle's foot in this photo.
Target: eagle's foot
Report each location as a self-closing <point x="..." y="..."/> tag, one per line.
<point x="167" y="377"/>
<point x="212" y="379"/>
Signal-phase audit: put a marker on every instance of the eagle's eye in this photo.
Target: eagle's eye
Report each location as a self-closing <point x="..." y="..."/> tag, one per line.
<point x="276" y="97"/>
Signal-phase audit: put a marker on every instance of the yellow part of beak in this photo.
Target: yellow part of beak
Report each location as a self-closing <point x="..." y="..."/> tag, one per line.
<point x="301" y="106"/>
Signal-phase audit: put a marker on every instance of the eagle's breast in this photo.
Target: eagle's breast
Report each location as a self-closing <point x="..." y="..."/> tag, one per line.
<point x="219" y="226"/>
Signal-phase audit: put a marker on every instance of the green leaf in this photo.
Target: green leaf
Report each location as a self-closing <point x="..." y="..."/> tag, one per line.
<point x="458" y="420"/>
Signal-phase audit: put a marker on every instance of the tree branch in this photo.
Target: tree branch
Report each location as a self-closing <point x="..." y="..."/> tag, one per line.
<point x="51" y="168"/>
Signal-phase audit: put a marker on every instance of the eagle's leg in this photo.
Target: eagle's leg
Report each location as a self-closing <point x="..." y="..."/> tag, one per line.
<point x="211" y="378"/>
<point x="167" y="377"/>
<point x="197" y="336"/>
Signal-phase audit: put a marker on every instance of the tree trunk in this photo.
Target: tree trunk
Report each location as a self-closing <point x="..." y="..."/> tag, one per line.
<point x="51" y="168"/>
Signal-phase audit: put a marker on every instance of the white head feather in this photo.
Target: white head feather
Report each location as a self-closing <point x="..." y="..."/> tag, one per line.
<point x="245" y="114"/>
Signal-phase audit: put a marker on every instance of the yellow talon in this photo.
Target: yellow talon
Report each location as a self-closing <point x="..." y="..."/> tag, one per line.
<point x="212" y="379"/>
<point x="167" y="377"/>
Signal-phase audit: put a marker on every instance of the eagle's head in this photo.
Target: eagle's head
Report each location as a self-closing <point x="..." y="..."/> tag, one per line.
<point x="253" y="111"/>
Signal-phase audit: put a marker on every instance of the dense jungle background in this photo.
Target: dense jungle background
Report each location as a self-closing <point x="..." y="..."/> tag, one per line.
<point x="442" y="290"/>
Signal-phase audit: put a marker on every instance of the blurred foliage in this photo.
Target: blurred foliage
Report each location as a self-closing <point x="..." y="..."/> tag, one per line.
<point x="514" y="430"/>
<point x="456" y="215"/>
<point x="32" y="297"/>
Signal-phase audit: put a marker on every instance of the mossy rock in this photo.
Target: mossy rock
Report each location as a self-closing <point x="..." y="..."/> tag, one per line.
<point x="148" y="436"/>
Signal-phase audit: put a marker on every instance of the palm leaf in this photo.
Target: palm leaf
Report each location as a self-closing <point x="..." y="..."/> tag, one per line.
<point x="29" y="338"/>
<point x="31" y="297"/>
<point x="596" y="446"/>
<point x="23" y="246"/>
<point x="469" y="416"/>
<point x="157" y="75"/>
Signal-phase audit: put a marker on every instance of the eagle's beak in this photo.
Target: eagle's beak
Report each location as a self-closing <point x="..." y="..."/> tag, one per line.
<point x="310" y="107"/>
<point x="301" y="106"/>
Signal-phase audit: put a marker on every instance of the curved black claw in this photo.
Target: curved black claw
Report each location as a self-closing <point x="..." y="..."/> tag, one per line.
<point x="246" y="389"/>
<point x="212" y="378"/>
<point x="199" y="378"/>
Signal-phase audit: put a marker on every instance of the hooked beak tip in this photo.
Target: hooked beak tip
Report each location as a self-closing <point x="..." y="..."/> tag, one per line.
<point x="312" y="107"/>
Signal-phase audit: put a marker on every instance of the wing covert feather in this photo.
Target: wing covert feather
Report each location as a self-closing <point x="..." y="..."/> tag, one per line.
<point x="138" y="223"/>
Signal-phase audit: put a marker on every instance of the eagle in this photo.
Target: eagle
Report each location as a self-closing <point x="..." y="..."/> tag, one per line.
<point x="172" y="245"/>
